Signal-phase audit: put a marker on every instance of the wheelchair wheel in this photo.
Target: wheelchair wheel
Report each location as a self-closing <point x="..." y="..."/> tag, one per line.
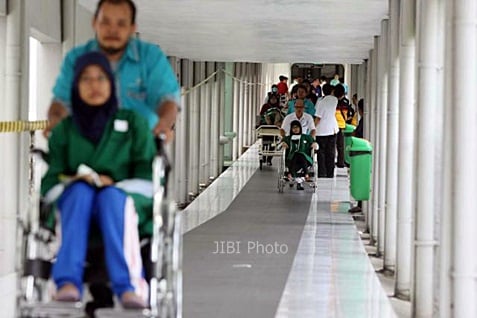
<point x="166" y="285"/>
<point x="281" y="172"/>
<point x="173" y="263"/>
<point x="315" y="171"/>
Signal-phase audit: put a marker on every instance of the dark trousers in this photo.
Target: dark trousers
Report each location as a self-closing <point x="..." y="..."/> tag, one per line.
<point x="340" y="149"/>
<point x="296" y="163"/>
<point x="326" y="156"/>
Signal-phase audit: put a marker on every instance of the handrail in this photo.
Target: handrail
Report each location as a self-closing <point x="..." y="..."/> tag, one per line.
<point x="24" y="125"/>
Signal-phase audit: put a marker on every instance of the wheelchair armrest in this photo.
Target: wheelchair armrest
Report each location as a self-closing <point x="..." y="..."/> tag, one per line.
<point x="161" y="153"/>
<point x="45" y="156"/>
<point x="47" y="216"/>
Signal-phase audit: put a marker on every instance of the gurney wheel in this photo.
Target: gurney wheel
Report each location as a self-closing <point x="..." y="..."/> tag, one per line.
<point x="281" y="184"/>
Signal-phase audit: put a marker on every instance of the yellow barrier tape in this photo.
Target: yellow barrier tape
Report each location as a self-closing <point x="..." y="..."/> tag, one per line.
<point x="22" y="125"/>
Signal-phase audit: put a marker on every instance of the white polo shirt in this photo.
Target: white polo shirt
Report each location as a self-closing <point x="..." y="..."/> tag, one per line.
<point x="326" y="111"/>
<point x="306" y="121"/>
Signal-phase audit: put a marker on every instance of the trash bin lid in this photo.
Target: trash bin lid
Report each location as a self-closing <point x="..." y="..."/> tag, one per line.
<point x="349" y="128"/>
<point x="360" y="146"/>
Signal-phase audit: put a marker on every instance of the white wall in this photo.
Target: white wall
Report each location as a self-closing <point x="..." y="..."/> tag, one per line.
<point x="270" y="74"/>
<point x="83" y="28"/>
<point x="2" y="58"/>
<point x="77" y="28"/>
<point x="43" y="18"/>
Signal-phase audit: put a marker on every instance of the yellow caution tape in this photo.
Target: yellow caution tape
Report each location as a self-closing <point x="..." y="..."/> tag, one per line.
<point x="22" y="125"/>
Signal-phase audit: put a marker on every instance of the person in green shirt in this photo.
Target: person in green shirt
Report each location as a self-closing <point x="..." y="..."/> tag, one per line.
<point x="100" y="171"/>
<point x="298" y="153"/>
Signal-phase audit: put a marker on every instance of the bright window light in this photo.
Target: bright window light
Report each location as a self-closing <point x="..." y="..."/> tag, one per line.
<point x="33" y="79"/>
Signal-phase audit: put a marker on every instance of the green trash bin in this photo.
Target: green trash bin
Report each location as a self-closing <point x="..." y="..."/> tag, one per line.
<point x="348" y="133"/>
<point x="360" y="153"/>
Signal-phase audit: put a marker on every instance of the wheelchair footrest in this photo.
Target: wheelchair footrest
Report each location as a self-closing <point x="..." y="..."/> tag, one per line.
<point x="54" y="309"/>
<point x="122" y="313"/>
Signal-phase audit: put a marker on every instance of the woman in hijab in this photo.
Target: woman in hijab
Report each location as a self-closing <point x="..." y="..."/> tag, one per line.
<point x="100" y="158"/>
<point x="298" y="158"/>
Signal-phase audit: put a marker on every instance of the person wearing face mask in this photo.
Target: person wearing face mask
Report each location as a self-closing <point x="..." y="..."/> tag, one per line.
<point x="298" y="152"/>
<point x="100" y="172"/>
<point x="273" y="91"/>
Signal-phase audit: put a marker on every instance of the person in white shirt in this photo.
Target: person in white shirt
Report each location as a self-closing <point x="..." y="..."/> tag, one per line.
<point x="326" y="129"/>
<point x="306" y="120"/>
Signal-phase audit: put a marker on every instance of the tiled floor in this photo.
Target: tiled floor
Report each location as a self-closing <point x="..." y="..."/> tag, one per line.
<point x="331" y="275"/>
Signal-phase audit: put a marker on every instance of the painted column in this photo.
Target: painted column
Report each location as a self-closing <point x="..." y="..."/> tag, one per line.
<point x="366" y="206"/>
<point x="228" y="108"/>
<point x="427" y="92"/>
<point x="444" y="295"/>
<point x="392" y="140"/>
<point x="181" y="141"/>
<point x="464" y="152"/>
<point x="244" y="110"/>
<point x="221" y="106"/>
<point x="194" y="126"/>
<point x="214" y="121"/>
<point x="362" y="81"/>
<point x="241" y="92"/>
<point x="10" y="145"/>
<point x="235" y="110"/>
<point x="406" y="159"/>
<point x="374" y="128"/>
<point x="204" y="122"/>
<point x="383" y="73"/>
<point x="172" y="147"/>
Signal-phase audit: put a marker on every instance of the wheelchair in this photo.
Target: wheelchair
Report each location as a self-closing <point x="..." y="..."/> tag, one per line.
<point x="161" y="254"/>
<point x="311" y="171"/>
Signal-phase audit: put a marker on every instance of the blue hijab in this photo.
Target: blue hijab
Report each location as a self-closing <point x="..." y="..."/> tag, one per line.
<point x="91" y="120"/>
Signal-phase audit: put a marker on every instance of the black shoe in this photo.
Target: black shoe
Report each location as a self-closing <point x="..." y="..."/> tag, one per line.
<point x="356" y="209"/>
<point x="269" y="163"/>
<point x="299" y="186"/>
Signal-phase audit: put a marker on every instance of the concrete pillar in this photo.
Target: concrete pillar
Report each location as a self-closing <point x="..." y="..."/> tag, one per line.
<point x="392" y="140"/>
<point x="406" y="159"/>
<point x="383" y="73"/>
<point x="464" y="152"/>
<point x="427" y="139"/>
<point x="374" y="128"/>
<point x="14" y="41"/>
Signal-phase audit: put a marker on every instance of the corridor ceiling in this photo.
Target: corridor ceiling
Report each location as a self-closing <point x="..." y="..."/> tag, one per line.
<point x="267" y="31"/>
